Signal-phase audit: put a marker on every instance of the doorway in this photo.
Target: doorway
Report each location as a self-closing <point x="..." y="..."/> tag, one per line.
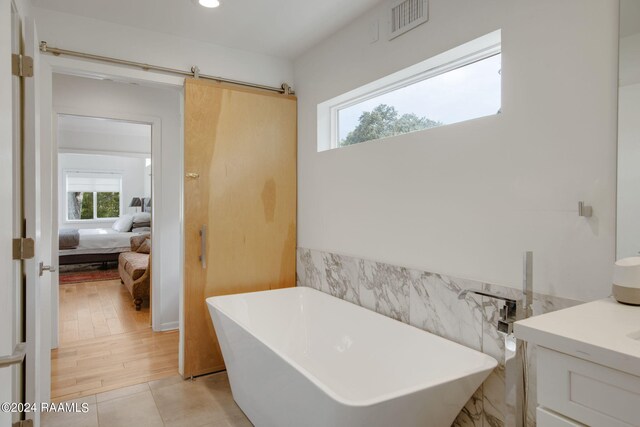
<point x="104" y="201"/>
<point x="109" y="218"/>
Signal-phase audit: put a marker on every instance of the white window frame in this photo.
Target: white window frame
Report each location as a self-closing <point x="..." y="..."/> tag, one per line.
<point x="470" y="52"/>
<point x="65" y="174"/>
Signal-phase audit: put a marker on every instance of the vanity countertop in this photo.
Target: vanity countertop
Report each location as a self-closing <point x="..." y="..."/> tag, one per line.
<point x="603" y="331"/>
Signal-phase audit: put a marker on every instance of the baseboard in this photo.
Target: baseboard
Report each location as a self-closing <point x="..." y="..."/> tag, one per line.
<point x="170" y="326"/>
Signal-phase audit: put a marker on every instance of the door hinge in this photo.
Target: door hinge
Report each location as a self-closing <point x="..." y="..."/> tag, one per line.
<point x="23" y="248"/>
<point x="23" y="423"/>
<point x="21" y="65"/>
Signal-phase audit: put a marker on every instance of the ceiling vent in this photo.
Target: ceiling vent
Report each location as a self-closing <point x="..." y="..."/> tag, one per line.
<point x="405" y="15"/>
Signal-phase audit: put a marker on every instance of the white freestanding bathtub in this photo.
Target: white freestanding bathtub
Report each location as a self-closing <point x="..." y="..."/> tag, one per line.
<point x="297" y="357"/>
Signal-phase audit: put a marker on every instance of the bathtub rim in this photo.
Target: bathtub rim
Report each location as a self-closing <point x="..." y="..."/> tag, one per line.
<point x="318" y="383"/>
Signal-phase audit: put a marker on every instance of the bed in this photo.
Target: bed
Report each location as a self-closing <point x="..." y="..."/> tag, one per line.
<point x="97" y="245"/>
<point x="94" y="245"/>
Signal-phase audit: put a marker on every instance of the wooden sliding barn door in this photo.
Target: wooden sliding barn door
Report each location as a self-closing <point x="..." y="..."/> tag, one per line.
<point x="239" y="204"/>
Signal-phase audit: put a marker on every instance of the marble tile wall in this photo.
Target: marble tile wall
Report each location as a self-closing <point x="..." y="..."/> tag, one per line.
<point x="432" y="302"/>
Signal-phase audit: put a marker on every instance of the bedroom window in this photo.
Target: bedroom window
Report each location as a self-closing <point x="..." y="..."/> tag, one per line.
<point x="93" y="196"/>
<point x="461" y="84"/>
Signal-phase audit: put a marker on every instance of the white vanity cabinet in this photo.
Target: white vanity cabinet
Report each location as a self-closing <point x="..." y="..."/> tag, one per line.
<point x="588" y="365"/>
<point x="579" y="391"/>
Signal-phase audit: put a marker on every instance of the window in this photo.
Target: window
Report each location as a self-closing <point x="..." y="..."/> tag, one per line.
<point x="93" y="195"/>
<point x="458" y="85"/>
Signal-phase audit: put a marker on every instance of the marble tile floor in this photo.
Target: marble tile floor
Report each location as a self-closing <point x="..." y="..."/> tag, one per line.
<point x="203" y="402"/>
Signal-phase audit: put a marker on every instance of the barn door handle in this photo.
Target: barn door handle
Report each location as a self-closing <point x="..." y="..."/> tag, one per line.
<point x="203" y="246"/>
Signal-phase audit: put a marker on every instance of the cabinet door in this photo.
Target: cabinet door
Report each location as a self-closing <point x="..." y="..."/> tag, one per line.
<point x="239" y="204"/>
<point x="587" y="392"/>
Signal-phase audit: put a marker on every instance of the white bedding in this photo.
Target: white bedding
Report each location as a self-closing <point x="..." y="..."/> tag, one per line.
<point x="101" y="241"/>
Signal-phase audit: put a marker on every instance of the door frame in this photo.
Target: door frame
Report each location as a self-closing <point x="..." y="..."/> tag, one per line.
<point x="91" y="69"/>
<point x="8" y="270"/>
<point x="156" y="200"/>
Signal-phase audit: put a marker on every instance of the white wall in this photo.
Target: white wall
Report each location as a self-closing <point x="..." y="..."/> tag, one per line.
<point x="102" y="98"/>
<point x="102" y="38"/>
<point x="133" y="181"/>
<point x="468" y="199"/>
<point x="102" y="145"/>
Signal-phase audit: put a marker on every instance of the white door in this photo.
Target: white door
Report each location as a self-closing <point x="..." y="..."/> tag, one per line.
<point x="37" y="365"/>
<point x="20" y="218"/>
<point x="11" y="284"/>
<point x="20" y="286"/>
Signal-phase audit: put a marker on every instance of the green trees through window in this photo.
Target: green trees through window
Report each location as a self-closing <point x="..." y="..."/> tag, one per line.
<point x="89" y="205"/>
<point x="384" y="121"/>
<point x="108" y="205"/>
<point x="468" y="88"/>
<point x="79" y="205"/>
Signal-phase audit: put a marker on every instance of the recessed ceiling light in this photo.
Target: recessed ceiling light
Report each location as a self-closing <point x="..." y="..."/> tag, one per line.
<point x="209" y="3"/>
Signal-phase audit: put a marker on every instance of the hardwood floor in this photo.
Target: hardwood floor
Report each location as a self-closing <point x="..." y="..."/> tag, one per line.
<point x="105" y="344"/>
<point x="98" y="309"/>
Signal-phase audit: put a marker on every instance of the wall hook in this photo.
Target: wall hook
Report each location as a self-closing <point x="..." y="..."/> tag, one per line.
<point x="584" y="210"/>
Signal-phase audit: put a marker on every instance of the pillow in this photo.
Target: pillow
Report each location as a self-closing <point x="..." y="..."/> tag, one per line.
<point x="141" y="217"/>
<point x="138" y="225"/>
<point x="145" y="247"/>
<point x="136" y="241"/>
<point x="123" y="224"/>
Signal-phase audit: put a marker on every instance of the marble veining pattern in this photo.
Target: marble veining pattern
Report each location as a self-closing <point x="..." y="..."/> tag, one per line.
<point x="341" y="273"/>
<point x="385" y="289"/>
<point x="432" y="302"/>
<point x="472" y="413"/>
<point x="494" y="400"/>
<point x="310" y="270"/>
<point x="436" y="307"/>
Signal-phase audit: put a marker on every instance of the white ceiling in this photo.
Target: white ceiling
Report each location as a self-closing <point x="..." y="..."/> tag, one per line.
<point x="283" y="28"/>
